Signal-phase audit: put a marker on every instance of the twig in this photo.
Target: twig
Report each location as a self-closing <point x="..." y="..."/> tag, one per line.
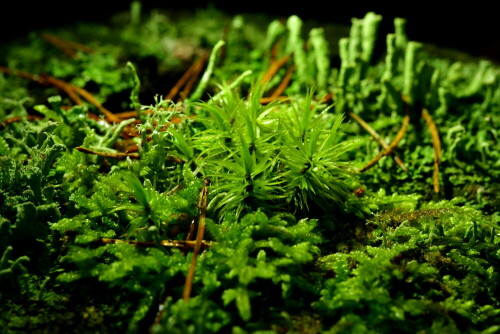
<point x="190" y="233"/>
<point x="377" y="138"/>
<point x="284" y="83"/>
<point x="327" y="98"/>
<point x="129" y="154"/>
<point x="274" y="68"/>
<point x="127" y="114"/>
<point x="208" y="72"/>
<point x="132" y="113"/>
<point x="436" y="143"/>
<point x="164" y="243"/>
<point x="202" y="207"/>
<point x="66" y="46"/>
<point x="73" y="91"/>
<point x="109" y="154"/>
<point x="194" y="77"/>
<point x="66" y="87"/>
<point x="18" y="119"/>
<point x="21" y="74"/>
<point x="110" y="117"/>
<point x="197" y="66"/>
<point x="274" y="51"/>
<point x="391" y="146"/>
<point x="269" y="99"/>
<point x="48" y="80"/>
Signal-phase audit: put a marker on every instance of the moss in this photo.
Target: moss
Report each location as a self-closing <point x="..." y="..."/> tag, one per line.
<point x="235" y="196"/>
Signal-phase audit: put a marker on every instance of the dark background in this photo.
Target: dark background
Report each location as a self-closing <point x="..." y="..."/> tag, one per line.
<point x="472" y="27"/>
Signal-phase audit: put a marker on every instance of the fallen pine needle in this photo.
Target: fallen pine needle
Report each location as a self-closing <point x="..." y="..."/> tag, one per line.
<point x="377" y="138"/>
<point x="274" y="68"/>
<point x="164" y="243"/>
<point x="68" y="47"/>
<point x="19" y="119"/>
<point x="391" y="146"/>
<point x="192" y="71"/>
<point x="109" y="154"/>
<point x="202" y="206"/>
<point x="72" y="91"/>
<point x="436" y="143"/>
<point x="284" y="83"/>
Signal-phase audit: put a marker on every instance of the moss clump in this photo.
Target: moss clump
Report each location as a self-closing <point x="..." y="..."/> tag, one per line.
<point x="174" y="175"/>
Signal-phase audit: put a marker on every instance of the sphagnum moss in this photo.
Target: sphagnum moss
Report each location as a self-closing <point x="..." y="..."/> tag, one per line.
<point x="255" y="176"/>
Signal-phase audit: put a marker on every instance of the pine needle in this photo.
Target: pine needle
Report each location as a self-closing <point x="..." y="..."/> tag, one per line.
<point x="391" y="146"/>
<point x="437" y="147"/>
<point x="19" y="119"/>
<point x="284" y="83"/>
<point x="202" y="207"/>
<point x="377" y="138"/>
<point x="274" y="68"/>
<point x="192" y="72"/>
<point x="67" y="47"/>
<point x="164" y="243"/>
<point x="108" y="154"/>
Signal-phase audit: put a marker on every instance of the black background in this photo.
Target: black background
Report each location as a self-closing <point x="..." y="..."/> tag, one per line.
<point x="470" y="26"/>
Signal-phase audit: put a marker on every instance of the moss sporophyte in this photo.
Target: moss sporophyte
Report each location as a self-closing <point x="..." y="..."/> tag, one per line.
<point x="206" y="173"/>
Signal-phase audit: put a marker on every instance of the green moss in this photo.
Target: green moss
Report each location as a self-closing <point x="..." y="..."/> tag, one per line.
<point x="297" y="239"/>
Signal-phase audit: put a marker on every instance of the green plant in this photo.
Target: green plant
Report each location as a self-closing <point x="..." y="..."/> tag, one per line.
<point x="268" y="191"/>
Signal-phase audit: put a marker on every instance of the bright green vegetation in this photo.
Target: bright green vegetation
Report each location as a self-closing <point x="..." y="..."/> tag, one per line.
<point x="297" y="239"/>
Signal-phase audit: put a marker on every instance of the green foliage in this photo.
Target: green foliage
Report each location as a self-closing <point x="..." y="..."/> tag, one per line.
<point x="255" y="258"/>
<point x="260" y="158"/>
<point x="295" y="239"/>
<point x="411" y="70"/>
<point x="12" y="271"/>
<point x="208" y="72"/>
<point x="313" y="156"/>
<point x="431" y="253"/>
<point x="30" y="190"/>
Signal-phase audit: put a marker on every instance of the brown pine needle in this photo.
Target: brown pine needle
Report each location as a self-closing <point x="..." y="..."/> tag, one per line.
<point x="164" y="243"/>
<point x="197" y="244"/>
<point x="202" y="206"/>
<point x="46" y="80"/>
<point x="21" y="74"/>
<point x="274" y="51"/>
<point x="110" y="117"/>
<point x="109" y="154"/>
<point x="274" y="68"/>
<point x="391" y="146"/>
<point x="192" y="71"/>
<point x="377" y="138"/>
<point x="67" y="47"/>
<point x="181" y="82"/>
<point x="269" y="99"/>
<point x="194" y="77"/>
<point x="284" y="83"/>
<point x="126" y="114"/>
<point x="73" y="91"/>
<point x="327" y="98"/>
<point x="133" y="113"/>
<point x="189" y="85"/>
<point x="19" y="119"/>
<point x="66" y="87"/>
<point x="436" y="143"/>
<point x="133" y="148"/>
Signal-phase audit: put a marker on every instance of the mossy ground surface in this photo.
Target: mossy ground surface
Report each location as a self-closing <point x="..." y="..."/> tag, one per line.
<point x="205" y="173"/>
